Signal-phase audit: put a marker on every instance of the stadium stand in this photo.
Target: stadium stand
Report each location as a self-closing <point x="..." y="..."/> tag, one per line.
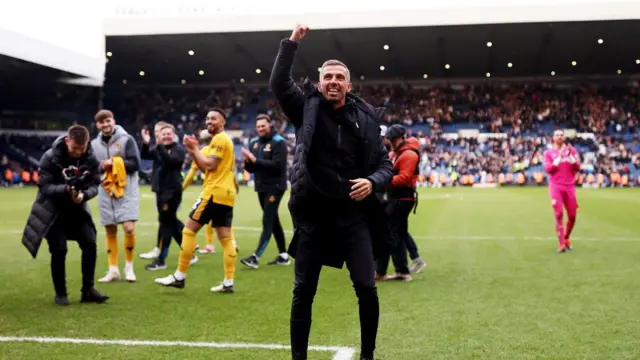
<point x="507" y="127"/>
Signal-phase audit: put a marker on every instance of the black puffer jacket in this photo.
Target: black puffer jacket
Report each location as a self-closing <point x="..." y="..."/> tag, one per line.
<point x="301" y="105"/>
<point x="53" y="197"/>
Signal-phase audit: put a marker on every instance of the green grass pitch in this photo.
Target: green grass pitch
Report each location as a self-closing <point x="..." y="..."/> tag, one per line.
<point x="494" y="287"/>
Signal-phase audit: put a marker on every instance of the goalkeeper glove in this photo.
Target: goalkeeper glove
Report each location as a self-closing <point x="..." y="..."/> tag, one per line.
<point x="556" y="161"/>
<point x="572" y="159"/>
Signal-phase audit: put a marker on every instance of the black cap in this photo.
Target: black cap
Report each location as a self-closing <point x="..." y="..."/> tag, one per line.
<point x="395" y="131"/>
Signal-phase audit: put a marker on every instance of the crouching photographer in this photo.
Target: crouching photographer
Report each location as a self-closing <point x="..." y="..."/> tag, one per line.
<point x="69" y="177"/>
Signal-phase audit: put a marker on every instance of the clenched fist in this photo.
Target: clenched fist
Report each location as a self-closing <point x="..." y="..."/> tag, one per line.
<point x="299" y="32"/>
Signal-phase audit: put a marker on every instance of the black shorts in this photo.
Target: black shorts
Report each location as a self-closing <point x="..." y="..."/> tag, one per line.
<point x="204" y="212"/>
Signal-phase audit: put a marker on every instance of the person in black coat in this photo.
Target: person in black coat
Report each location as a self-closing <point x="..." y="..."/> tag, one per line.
<point x="147" y="153"/>
<point x="168" y="156"/>
<point x="69" y="177"/>
<point x="266" y="159"/>
<point x="339" y="162"/>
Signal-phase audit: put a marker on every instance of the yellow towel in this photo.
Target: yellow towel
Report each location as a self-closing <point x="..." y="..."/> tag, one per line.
<point x="116" y="178"/>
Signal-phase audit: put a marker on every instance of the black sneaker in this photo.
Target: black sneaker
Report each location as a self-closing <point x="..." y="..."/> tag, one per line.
<point x="62" y="300"/>
<point x="170" y="281"/>
<point x="251" y="261"/>
<point x="156" y="265"/>
<point x="280" y="261"/>
<point x="93" y="296"/>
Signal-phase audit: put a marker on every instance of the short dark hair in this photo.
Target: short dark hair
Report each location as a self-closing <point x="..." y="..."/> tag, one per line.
<point x="219" y="111"/>
<point x="263" y="117"/>
<point x="78" y="134"/>
<point x="103" y="114"/>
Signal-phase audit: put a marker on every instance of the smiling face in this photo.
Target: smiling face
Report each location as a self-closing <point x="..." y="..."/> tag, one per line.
<point x="335" y="82"/>
<point x="215" y="122"/>
<point x="167" y="135"/>
<point x="106" y="125"/>
<point x="263" y="127"/>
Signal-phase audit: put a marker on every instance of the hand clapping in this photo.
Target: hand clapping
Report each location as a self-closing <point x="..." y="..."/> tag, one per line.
<point x="190" y="142"/>
<point x="248" y="156"/>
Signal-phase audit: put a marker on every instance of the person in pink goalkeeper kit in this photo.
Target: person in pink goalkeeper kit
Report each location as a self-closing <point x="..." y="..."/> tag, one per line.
<point x="562" y="163"/>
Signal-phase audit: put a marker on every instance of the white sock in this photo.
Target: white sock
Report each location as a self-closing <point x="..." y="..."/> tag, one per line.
<point x="156" y="249"/>
<point x="227" y="282"/>
<point x="179" y="275"/>
<point x="284" y="256"/>
<point x="128" y="266"/>
<point x="114" y="269"/>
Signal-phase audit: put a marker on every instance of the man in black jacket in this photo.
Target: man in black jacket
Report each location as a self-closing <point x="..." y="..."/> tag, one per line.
<point x="267" y="160"/>
<point x="169" y="156"/>
<point x="339" y="161"/>
<point x="146" y="155"/>
<point x="69" y="177"/>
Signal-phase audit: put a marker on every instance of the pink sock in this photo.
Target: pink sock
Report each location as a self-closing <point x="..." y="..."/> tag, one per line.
<point x="570" y="223"/>
<point x="559" y="227"/>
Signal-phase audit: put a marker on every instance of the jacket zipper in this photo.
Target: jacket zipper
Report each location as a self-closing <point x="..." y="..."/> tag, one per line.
<point x="339" y="145"/>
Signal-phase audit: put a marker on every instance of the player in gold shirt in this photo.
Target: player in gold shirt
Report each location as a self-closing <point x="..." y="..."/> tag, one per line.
<point x="215" y="203"/>
<point x="205" y="139"/>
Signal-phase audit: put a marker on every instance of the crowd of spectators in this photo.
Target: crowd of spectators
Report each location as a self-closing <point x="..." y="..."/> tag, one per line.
<point x="525" y="115"/>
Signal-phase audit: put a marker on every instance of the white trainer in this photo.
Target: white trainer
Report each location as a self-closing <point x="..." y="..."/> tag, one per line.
<point x="153" y="254"/>
<point x="208" y="249"/>
<point x="112" y="275"/>
<point x="129" y="274"/>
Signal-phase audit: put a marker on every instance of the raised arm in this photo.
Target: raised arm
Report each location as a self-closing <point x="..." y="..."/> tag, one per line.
<point x="289" y="95"/>
<point x="550" y="165"/>
<point x="147" y="152"/>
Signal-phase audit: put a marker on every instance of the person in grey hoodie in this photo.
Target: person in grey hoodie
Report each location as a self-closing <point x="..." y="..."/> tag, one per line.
<point x="113" y="141"/>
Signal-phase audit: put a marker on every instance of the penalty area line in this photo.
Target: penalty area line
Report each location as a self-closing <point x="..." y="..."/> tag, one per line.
<point x="339" y="352"/>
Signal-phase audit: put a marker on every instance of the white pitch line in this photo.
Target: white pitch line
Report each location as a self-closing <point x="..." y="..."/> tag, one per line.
<point x="341" y="353"/>
<point x="344" y="354"/>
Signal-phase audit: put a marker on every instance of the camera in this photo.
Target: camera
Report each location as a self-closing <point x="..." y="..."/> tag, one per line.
<point x="78" y="179"/>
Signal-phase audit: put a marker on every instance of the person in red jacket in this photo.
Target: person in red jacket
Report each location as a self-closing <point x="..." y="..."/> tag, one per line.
<point x="401" y="197"/>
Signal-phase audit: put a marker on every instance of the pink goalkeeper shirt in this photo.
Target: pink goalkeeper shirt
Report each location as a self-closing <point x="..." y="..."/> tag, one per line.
<point x="564" y="173"/>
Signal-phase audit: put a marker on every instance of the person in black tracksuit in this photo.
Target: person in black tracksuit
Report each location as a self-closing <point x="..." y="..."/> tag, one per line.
<point x="267" y="160"/>
<point x="169" y="156"/>
<point x="339" y="163"/>
<point x="60" y="211"/>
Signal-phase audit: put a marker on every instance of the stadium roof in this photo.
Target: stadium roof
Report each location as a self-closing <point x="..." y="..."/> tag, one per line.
<point x="567" y="49"/>
<point x="16" y="73"/>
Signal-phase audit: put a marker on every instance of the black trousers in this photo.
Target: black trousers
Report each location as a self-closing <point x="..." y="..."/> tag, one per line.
<point x="412" y="247"/>
<point x="398" y="212"/>
<point x="170" y="226"/>
<point x="84" y="233"/>
<point x="355" y="242"/>
<point x="269" y="202"/>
